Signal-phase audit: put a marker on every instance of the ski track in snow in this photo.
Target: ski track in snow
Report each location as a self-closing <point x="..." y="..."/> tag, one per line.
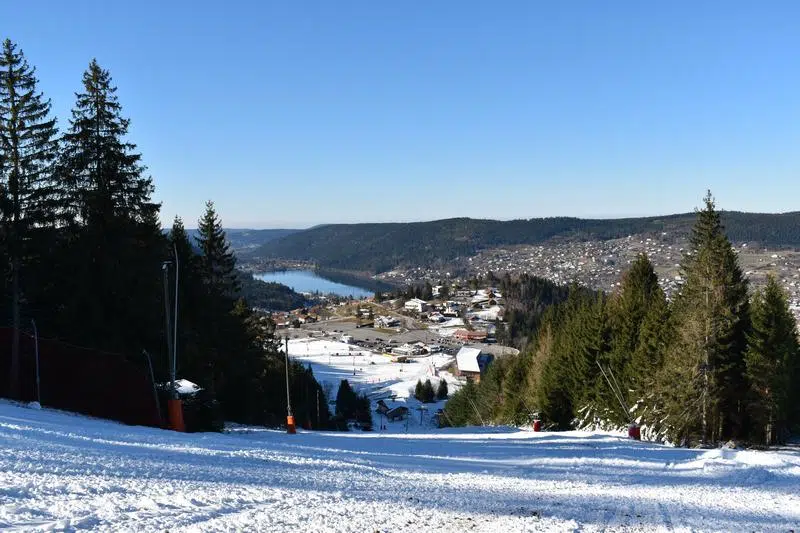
<point x="63" y="472"/>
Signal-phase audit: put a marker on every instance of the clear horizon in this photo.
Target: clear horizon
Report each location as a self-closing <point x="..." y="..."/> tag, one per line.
<point x="295" y="115"/>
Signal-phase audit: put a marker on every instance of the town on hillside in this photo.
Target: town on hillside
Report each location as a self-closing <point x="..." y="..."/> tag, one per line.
<point x="599" y="264"/>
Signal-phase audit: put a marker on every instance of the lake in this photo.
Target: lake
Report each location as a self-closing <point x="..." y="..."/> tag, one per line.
<point x="308" y="281"/>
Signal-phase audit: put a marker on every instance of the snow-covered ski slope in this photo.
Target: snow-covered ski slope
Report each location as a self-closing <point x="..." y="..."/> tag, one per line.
<point x="64" y="472"/>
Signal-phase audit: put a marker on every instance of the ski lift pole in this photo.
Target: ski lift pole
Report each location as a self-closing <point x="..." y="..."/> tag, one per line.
<point x="153" y="381"/>
<point x="36" y="345"/>
<point x="290" y="426"/>
<point x="175" y="320"/>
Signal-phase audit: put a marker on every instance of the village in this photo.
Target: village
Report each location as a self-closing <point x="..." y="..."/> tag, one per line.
<point x="600" y="264"/>
<point x="383" y="348"/>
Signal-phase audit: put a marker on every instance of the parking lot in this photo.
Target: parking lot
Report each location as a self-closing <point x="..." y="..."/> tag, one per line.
<point x="377" y="340"/>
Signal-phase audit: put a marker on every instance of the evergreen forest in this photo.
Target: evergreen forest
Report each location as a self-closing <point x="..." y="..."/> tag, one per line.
<point x="88" y="264"/>
<point x="719" y="362"/>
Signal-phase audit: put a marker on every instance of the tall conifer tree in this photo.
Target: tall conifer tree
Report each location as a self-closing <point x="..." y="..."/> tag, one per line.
<point x="217" y="262"/>
<point x="118" y="246"/>
<point x="771" y="359"/>
<point x="28" y="147"/>
<point x="635" y="314"/>
<point x="105" y="174"/>
<point x="704" y="373"/>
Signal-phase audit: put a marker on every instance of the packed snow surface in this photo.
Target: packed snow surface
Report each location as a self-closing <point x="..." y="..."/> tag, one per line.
<point x="64" y="472"/>
<point x="371" y="373"/>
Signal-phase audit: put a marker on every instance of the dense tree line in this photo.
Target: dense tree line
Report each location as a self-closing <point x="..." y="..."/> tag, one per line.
<point x="375" y="248"/>
<point x="351" y="406"/>
<point x="269" y="296"/>
<point x="716" y="363"/>
<point x="85" y="253"/>
<point x="526" y="299"/>
<point x="353" y="279"/>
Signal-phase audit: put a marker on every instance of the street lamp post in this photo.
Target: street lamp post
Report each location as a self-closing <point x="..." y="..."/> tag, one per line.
<point x="165" y="269"/>
<point x="290" y="427"/>
<point x="174" y="404"/>
<point x="175" y="320"/>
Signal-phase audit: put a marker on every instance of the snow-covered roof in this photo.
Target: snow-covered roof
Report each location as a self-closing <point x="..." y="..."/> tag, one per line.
<point x="184" y="386"/>
<point x="467" y="359"/>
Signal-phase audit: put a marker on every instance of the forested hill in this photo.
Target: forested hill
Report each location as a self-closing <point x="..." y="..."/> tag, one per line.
<point x="243" y="240"/>
<point x="381" y="247"/>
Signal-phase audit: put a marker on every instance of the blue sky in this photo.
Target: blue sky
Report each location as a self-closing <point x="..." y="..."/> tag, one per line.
<point x="295" y="113"/>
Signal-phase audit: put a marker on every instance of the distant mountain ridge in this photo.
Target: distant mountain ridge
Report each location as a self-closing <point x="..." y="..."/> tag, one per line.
<point x="380" y="247"/>
<point x="242" y="240"/>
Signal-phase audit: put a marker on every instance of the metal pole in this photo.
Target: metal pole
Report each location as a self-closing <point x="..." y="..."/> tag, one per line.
<point x="36" y="345"/>
<point x="153" y="381"/>
<point x="175" y="320"/>
<point x="165" y="269"/>
<point x="288" y="400"/>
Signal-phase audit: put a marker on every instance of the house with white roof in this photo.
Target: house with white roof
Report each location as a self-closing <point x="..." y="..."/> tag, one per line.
<point x="416" y="305"/>
<point x="472" y="363"/>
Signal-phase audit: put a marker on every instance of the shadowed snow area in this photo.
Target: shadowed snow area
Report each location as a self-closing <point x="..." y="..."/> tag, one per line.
<point x="64" y="472"/>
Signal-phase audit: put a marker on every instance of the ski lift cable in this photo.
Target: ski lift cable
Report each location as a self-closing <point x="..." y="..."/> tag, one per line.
<point x="620" y="397"/>
<point x="476" y="411"/>
<point x="619" y="389"/>
<point x="614" y="391"/>
<point x="617" y="393"/>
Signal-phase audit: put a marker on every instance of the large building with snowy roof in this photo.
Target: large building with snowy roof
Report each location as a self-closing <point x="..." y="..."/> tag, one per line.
<point x="472" y="363"/>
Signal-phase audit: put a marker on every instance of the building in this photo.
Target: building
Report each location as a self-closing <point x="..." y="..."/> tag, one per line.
<point x="398" y="413"/>
<point x="472" y="363"/>
<point x="386" y="322"/>
<point x="436" y="317"/>
<point x="416" y="305"/>
<point x="451" y="309"/>
<point x="408" y="350"/>
<point x="382" y="408"/>
<point x="470" y="336"/>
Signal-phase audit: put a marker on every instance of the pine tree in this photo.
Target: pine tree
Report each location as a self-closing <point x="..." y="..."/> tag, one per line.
<point x="771" y="358"/>
<point x="418" y="390"/>
<point x="639" y="317"/>
<point x="115" y="247"/>
<point x="346" y="400"/>
<point x="441" y="390"/>
<point x="217" y="262"/>
<point x="428" y="394"/>
<point x="105" y="175"/>
<point x="460" y="409"/>
<point x="655" y="338"/>
<point x="629" y="307"/>
<point x="28" y="147"/>
<point x="711" y="318"/>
